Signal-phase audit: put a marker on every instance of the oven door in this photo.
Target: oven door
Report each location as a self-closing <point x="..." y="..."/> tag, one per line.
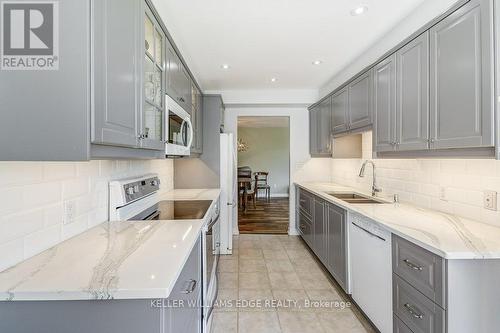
<point x="179" y="130"/>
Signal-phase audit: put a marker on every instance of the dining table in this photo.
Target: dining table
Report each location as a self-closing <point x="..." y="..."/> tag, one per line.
<point x="244" y="183"/>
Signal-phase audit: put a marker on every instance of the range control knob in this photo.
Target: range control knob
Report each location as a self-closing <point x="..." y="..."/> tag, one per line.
<point x="155" y="182"/>
<point x="136" y="188"/>
<point x="130" y="190"/>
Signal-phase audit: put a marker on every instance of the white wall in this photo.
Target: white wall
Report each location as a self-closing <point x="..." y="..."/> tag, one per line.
<point x="422" y="182"/>
<point x="302" y="167"/>
<point x="268" y="151"/>
<point x="426" y="12"/>
<point x="32" y="197"/>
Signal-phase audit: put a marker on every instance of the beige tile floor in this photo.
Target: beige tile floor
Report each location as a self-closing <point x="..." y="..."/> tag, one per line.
<point x="273" y="284"/>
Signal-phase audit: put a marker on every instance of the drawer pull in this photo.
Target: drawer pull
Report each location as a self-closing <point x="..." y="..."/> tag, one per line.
<point x="411" y="310"/>
<point x="190" y="288"/>
<point x="412" y="265"/>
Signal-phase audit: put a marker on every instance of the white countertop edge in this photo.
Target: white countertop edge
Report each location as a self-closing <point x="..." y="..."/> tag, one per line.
<point x="450" y="255"/>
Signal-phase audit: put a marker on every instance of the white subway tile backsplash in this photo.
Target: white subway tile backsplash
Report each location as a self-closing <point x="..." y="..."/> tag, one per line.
<point x="20" y="225"/>
<point x="41" y="240"/>
<point x="421" y="181"/>
<point x="75" y="227"/>
<point x="59" y="170"/>
<point x="76" y="187"/>
<point x="11" y="200"/>
<point x="32" y="197"/>
<point x="20" y="173"/>
<point x="41" y="194"/>
<point x="11" y="253"/>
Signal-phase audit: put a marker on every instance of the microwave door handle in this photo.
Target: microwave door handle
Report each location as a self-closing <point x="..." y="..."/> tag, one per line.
<point x="191" y="132"/>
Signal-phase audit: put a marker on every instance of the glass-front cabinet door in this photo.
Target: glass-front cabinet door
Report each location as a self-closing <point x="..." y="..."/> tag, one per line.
<point x="154" y="81"/>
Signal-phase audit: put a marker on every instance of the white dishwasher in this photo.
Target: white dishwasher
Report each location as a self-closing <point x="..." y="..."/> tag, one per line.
<point x="371" y="270"/>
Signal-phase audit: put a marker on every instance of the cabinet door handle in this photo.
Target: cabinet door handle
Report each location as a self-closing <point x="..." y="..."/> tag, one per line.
<point x="412" y="265"/>
<point x="190" y="288"/>
<point x="413" y="312"/>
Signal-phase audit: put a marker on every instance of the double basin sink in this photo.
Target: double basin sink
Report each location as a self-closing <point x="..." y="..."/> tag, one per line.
<point x="354" y="198"/>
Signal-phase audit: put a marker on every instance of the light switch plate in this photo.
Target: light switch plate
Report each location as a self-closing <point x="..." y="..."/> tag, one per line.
<point x="442" y="194"/>
<point x="490" y="200"/>
<point x="69" y="212"/>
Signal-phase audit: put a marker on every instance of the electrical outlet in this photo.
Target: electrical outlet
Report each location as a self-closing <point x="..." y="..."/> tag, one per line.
<point x="442" y="193"/>
<point x="69" y="212"/>
<point x="490" y="200"/>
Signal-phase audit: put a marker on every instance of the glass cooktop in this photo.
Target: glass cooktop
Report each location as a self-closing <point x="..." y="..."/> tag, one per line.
<point x="181" y="209"/>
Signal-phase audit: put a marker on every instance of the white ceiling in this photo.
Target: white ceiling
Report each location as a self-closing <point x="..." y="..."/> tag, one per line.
<point x="259" y="122"/>
<point x="261" y="39"/>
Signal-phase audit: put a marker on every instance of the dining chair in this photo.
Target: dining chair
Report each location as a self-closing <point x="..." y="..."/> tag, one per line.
<point x="261" y="183"/>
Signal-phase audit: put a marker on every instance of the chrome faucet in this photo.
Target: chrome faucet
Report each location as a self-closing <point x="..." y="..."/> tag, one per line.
<point x="375" y="188"/>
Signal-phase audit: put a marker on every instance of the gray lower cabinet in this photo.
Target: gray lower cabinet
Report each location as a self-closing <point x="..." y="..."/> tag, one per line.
<point x="323" y="226"/>
<point x="336" y="243"/>
<point x="320" y="140"/>
<point x="436" y="295"/>
<point x="114" y="316"/>
<point x="360" y="101"/>
<point x="340" y="107"/>
<point x="187" y="290"/>
<point x="412" y="95"/>
<point x="461" y="85"/>
<point x="320" y="229"/>
<point x="384" y="105"/>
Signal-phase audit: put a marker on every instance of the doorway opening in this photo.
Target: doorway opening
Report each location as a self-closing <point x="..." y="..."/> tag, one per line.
<point x="263" y="160"/>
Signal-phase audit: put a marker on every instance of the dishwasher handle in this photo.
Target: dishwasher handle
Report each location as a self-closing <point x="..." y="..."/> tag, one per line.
<point x="368" y="231"/>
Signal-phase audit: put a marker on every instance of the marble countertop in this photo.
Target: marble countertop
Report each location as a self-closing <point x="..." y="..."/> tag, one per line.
<point x="447" y="235"/>
<point x="114" y="260"/>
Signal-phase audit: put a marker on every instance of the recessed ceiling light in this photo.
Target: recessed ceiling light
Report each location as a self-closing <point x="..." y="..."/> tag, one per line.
<point x="360" y="10"/>
<point x="225" y="66"/>
<point x="317" y="62"/>
<point x="274" y="79"/>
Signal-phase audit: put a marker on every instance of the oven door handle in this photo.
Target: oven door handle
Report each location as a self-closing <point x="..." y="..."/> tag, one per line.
<point x="211" y="309"/>
<point x="211" y="224"/>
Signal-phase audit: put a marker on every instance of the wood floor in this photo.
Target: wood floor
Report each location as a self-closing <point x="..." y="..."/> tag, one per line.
<point x="267" y="218"/>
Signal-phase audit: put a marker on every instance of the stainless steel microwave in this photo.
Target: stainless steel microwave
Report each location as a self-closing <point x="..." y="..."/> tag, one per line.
<point x="178" y="130"/>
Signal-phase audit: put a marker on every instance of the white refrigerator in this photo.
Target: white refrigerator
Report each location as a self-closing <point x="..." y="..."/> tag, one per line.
<point x="228" y="199"/>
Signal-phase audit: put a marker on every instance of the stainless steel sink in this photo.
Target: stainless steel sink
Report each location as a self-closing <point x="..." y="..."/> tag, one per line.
<point x="355" y="198"/>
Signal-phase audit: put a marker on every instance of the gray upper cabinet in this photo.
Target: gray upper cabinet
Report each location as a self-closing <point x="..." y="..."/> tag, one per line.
<point x="44" y="115"/>
<point x="385" y="105"/>
<point x="116" y="74"/>
<point x="320" y="143"/>
<point x="461" y="88"/>
<point x="153" y="83"/>
<point x="324" y="126"/>
<point x="313" y="135"/>
<point x="340" y="106"/>
<point x="178" y="79"/>
<point x="360" y="101"/>
<point x="412" y="99"/>
<point x="197" y="120"/>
